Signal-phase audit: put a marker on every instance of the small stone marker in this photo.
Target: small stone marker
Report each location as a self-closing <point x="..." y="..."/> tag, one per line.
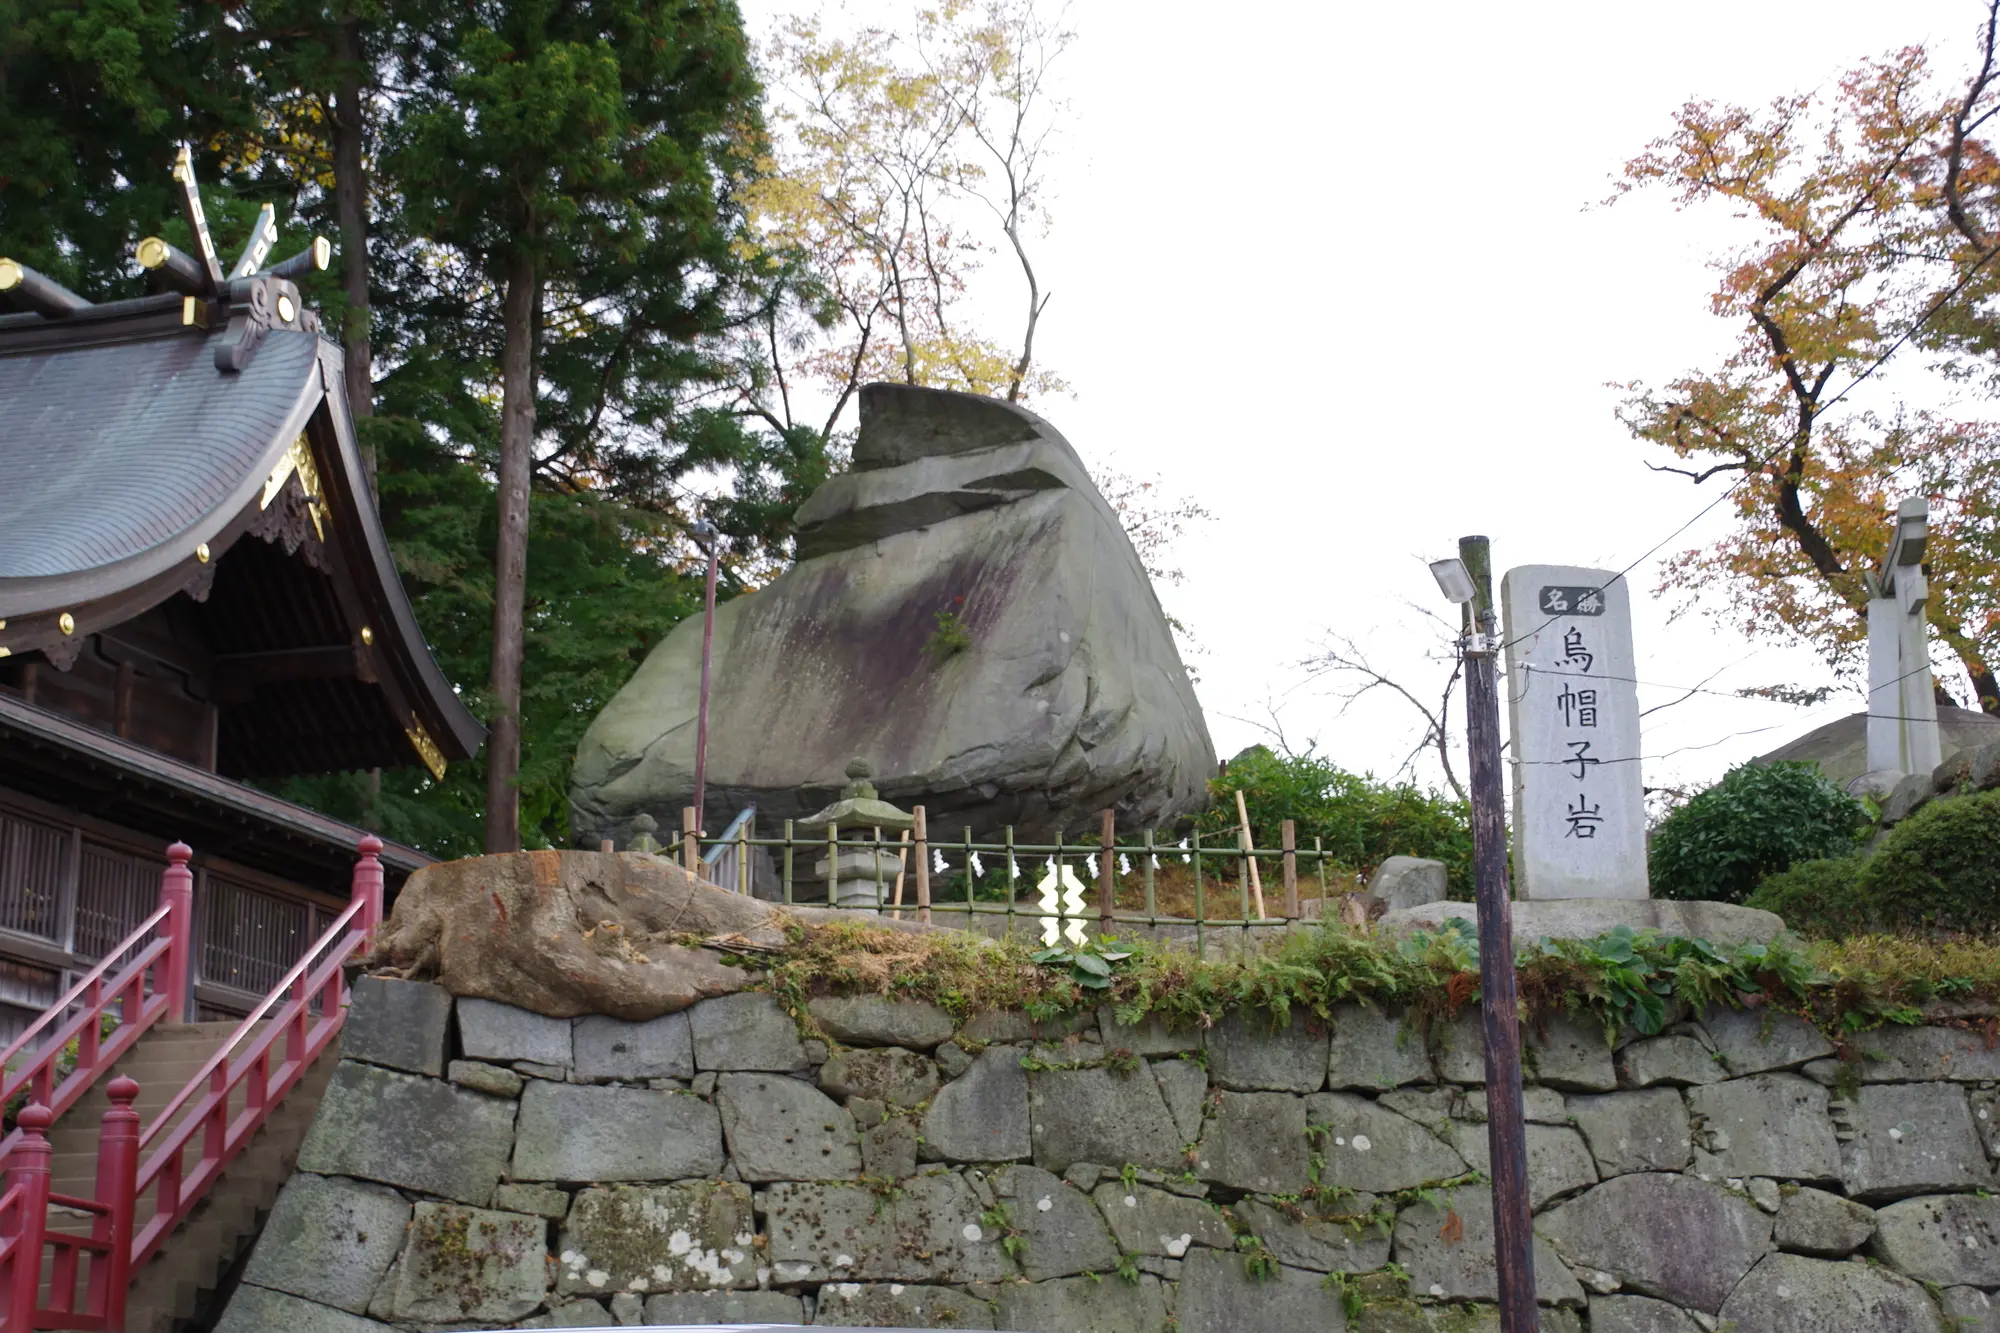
<point x="1573" y="713"/>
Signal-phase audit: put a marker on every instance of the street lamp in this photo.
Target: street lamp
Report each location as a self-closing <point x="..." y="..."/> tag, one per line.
<point x="1468" y="581"/>
<point x="709" y="540"/>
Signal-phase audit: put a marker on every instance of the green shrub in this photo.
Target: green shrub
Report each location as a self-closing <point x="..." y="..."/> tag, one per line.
<point x="1359" y="821"/>
<point x="1821" y="900"/>
<point x="1940" y="868"/>
<point x="1758" y="821"/>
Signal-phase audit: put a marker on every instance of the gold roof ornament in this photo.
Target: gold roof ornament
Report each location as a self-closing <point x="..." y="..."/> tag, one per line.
<point x="426" y="748"/>
<point x="297" y="459"/>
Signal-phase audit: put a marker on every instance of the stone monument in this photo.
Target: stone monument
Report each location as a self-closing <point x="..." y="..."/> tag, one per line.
<point x="861" y="876"/>
<point x="1902" y="700"/>
<point x="1573" y="713"/>
<point x="966" y="610"/>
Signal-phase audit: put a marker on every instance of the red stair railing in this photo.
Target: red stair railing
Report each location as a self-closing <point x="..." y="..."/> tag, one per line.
<point x="150" y="986"/>
<point x="285" y="1013"/>
<point x="112" y="1249"/>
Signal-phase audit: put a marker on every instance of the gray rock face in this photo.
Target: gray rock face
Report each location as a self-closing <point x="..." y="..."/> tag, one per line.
<point x="1454" y="1262"/>
<point x="887" y="1074"/>
<point x="696" y="1236"/>
<point x="1893" y="1054"/>
<point x="1814" y="1222"/>
<point x="1408" y="881"/>
<point x="1370" y="1051"/>
<point x="1369" y="1147"/>
<point x="982" y="1115"/>
<point x="1950" y="1239"/>
<point x="1079" y="1303"/>
<point x="1673" y="1060"/>
<point x="1149" y="1221"/>
<point x="1724" y="924"/>
<point x="493" y="1080"/>
<point x="1570" y="1053"/>
<point x="1911" y="1138"/>
<point x="535" y="1200"/>
<point x="929" y="1231"/>
<point x="257" y="1310"/>
<point x="502" y="1034"/>
<point x="1062" y="1230"/>
<point x="414" y="1132"/>
<point x="329" y="1241"/>
<point x="610" y="1048"/>
<point x="1969" y="1310"/>
<point x="1638" y="1314"/>
<point x="780" y="1128"/>
<point x="1791" y="1294"/>
<point x="1672" y="1237"/>
<point x="724" y="1307"/>
<point x="400" y="1024"/>
<point x="1558" y="1161"/>
<point x="745" y="1032"/>
<point x="1635" y="1131"/>
<point x="471" y="1264"/>
<point x="1324" y="1245"/>
<point x="1751" y="1041"/>
<point x="1096" y="1115"/>
<point x="876" y="1020"/>
<point x="1218" y="1296"/>
<point x="1769" y="1125"/>
<point x="892" y="1304"/>
<point x="1247" y="1054"/>
<point x="1151" y="1037"/>
<point x="585" y="1134"/>
<point x="1184" y="1086"/>
<point x="1255" y="1141"/>
<point x="1070" y="697"/>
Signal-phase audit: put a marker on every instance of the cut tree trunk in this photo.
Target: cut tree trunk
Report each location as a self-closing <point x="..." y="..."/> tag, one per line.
<point x="510" y="559"/>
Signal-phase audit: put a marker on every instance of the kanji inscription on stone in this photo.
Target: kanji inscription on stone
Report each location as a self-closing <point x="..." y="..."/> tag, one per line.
<point x="1573" y="715"/>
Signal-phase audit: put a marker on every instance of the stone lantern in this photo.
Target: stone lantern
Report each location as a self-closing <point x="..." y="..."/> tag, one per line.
<point x="863" y="875"/>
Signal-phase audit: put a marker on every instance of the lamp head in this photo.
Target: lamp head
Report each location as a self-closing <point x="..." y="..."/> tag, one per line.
<point x="1453" y="580"/>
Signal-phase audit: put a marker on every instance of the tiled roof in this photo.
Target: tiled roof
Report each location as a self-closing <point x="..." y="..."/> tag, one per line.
<point x="108" y="451"/>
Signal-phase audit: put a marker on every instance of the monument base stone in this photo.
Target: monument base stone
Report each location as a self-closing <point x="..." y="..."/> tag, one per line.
<point x="1723" y="924"/>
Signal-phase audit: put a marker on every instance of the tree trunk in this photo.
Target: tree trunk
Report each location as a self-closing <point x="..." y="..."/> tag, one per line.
<point x="350" y="192"/>
<point x="510" y="559"/>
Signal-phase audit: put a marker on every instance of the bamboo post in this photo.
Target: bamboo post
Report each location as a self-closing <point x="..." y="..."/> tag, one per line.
<point x="1288" y="838"/>
<point x="902" y="865"/>
<point x="743" y="856"/>
<point x="832" y="865"/>
<point x="1152" y="900"/>
<point x="788" y="862"/>
<point x="605" y="846"/>
<point x="1107" y="870"/>
<point x="1256" y="883"/>
<point x="923" y="866"/>
<point x="690" y="841"/>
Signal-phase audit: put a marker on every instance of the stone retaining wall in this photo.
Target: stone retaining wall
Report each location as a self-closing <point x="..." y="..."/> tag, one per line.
<point x="474" y="1165"/>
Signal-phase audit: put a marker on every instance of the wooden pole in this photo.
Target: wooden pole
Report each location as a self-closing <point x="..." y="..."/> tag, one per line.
<point x="923" y="866"/>
<point x="691" y="840"/>
<point x="1288" y="838"/>
<point x="1506" y="1134"/>
<point x="1256" y="881"/>
<point x="1107" y="871"/>
<point x="902" y="865"/>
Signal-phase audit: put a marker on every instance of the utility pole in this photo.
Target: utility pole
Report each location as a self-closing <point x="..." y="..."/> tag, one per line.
<point x="707" y="538"/>
<point x="1469" y="582"/>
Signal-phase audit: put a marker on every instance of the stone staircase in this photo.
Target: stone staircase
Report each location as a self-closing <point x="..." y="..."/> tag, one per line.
<point x="171" y="1289"/>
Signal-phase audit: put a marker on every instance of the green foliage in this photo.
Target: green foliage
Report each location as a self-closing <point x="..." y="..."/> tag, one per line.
<point x="1759" y="820"/>
<point x="1359" y="821"/>
<point x="1940" y="868"/>
<point x="1819" y="899"/>
<point x="1627" y="977"/>
<point x="1088" y="967"/>
<point x="951" y="636"/>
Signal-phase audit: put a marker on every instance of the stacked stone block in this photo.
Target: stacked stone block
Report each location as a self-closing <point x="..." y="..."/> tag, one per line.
<point x="475" y="1165"/>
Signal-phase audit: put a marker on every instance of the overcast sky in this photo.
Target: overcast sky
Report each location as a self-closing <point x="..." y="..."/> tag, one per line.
<point x="1337" y="270"/>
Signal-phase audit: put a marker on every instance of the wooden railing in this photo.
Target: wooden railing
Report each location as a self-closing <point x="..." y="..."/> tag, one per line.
<point x="249" y="1070"/>
<point x="150" y="984"/>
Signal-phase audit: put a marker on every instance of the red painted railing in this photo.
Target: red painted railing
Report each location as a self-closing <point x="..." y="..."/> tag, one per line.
<point x="151" y="985"/>
<point x="249" y="1063"/>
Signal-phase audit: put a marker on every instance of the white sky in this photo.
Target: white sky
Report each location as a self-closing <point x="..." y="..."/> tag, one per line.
<point x="1334" y="270"/>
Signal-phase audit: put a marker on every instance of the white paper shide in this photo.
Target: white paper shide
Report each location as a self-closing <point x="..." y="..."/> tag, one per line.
<point x="1573" y="713"/>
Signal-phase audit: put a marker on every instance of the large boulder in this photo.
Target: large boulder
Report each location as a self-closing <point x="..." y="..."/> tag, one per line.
<point x="966" y="613"/>
<point x="572" y="933"/>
